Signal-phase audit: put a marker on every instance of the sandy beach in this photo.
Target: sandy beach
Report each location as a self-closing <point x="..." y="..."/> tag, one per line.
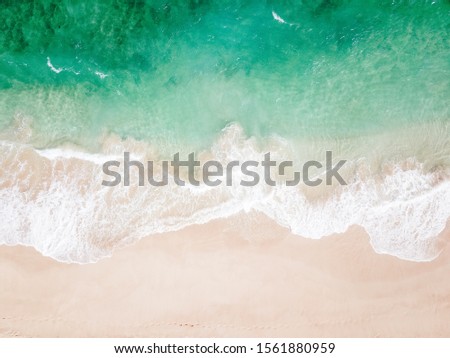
<point x="203" y="169"/>
<point x="212" y="281"/>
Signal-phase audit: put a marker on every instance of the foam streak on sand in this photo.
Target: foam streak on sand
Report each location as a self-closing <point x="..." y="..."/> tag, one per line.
<point x="195" y="284"/>
<point x="53" y="200"/>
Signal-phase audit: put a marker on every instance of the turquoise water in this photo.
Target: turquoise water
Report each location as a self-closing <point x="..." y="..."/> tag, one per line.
<point x="82" y="81"/>
<point x="178" y="72"/>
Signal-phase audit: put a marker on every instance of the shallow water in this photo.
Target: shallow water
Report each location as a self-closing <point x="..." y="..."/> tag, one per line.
<point x="178" y="72"/>
<point x="81" y="82"/>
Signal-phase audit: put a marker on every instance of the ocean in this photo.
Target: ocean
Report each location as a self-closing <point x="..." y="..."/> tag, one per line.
<point x="83" y="81"/>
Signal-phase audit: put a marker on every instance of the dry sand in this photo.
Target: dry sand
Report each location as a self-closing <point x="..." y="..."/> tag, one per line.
<point x="208" y="281"/>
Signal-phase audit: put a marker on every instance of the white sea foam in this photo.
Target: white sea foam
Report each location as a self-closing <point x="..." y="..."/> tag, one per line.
<point x="53" y="200"/>
<point x="278" y="18"/>
<point x="101" y="75"/>
<point x="65" y="153"/>
<point x="60" y="69"/>
<point x="53" y="68"/>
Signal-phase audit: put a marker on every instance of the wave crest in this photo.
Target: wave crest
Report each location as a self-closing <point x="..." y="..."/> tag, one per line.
<point x="53" y="200"/>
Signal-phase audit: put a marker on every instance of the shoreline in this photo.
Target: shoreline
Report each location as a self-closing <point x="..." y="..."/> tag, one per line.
<point x="56" y="202"/>
<point x="209" y="281"/>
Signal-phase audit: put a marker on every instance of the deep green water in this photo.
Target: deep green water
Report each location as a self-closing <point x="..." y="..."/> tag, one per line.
<point x="180" y="71"/>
